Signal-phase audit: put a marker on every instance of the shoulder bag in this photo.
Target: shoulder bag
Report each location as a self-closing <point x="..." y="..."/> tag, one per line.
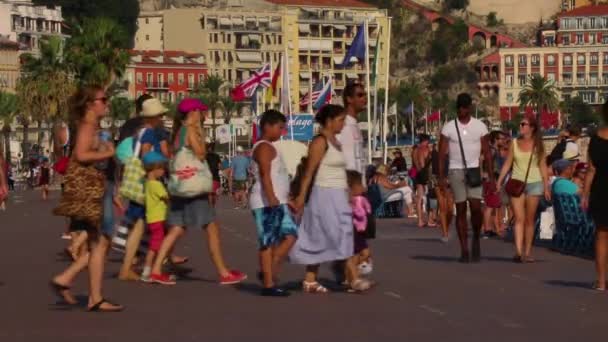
<point x="132" y="186"/>
<point x="472" y="176"/>
<point x="514" y="187"/>
<point x="188" y="176"/>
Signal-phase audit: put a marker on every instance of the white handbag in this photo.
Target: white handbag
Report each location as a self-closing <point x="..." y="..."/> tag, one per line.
<point x="188" y="175"/>
<point x="547" y="224"/>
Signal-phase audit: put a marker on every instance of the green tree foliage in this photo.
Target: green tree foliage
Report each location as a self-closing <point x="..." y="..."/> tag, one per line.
<point x="124" y="12"/>
<point x="94" y="52"/>
<point x="209" y="93"/>
<point x="44" y="87"/>
<point x="120" y="109"/>
<point x="8" y="112"/>
<point x="449" y="41"/>
<point x="579" y="112"/>
<point x="492" y="20"/>
<point x="451" y="5"/>
<point x="539" y="93"/>
<point x="447" y="75"/>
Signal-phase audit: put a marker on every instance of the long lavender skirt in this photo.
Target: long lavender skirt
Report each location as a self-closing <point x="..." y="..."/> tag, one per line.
<point x="326" y="231"/>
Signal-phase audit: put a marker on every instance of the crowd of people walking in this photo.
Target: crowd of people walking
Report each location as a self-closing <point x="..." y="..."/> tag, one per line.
<point x="167" y="183"/>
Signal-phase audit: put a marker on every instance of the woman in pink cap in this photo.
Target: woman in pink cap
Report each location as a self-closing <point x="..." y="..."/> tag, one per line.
<point x="192" y="212"/>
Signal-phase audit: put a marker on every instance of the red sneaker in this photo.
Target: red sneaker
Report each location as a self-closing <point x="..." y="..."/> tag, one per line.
<point x="234" y="277"/>
<point x="163" y="279"/>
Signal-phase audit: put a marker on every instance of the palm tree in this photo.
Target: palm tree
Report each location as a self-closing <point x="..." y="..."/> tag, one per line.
<point x="96" y="51"/>
<point x="120" y="109"/>
<point x="539" y="93"/>
<point x="230" y="107"/>
<point x="8" y="110"/>
<point x="209" y="92"/>
<point x="44" y="87"/>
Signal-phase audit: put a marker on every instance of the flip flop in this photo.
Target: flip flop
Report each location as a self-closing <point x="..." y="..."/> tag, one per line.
<point x="596" y="287"/>
<point x="97" y="307"/>
<point x="59" y="290"/>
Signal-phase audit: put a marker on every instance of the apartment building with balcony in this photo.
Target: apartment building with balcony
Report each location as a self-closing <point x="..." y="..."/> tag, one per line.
<point x="577" y="61"/>
<point x="319" y="33"/>
<point x="240" y="36"/>
<point x="166" y="75"/>
<point x="9" y="65"/>
<point x="236" y="38"/>
<point x="27" y="24"/>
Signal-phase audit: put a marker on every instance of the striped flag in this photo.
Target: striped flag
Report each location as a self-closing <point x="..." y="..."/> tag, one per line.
<point x="247" y="89"/>
<point x="273" y="86"/>
<point x="321" y="94"/>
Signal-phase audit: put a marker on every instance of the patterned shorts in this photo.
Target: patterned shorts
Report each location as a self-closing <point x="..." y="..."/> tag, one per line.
<point x="273" y="224"/>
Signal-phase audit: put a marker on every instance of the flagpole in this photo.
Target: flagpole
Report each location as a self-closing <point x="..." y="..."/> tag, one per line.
<point x="375" y="117"/>
<point x="397" y="128"/>
<point x="288" y="90"/>
<point x="388" y="61"/>
<point x="310" y="94"/>
<point x="426" y="122"/>
<point x="413" y="126"/>
<point x="369" y="113"/>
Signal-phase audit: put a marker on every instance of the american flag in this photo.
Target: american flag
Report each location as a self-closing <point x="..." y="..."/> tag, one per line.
<point x="259" y="78"/>
<point x="321" y="89"/>
<point x="316" y="91"/>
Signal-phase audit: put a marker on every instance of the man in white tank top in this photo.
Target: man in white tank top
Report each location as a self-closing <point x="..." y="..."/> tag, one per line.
<point x="276" y="229"/>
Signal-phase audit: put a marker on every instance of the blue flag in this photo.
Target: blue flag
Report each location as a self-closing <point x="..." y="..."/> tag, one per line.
<point x="409" y="108"/>
<point x="357" y="48"/>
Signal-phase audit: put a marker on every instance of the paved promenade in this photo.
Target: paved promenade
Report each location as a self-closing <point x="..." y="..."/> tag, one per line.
<point x="423" y="294"/>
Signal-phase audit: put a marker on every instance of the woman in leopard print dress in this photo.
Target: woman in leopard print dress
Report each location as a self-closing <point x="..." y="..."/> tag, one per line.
<point x="83" y="194"/>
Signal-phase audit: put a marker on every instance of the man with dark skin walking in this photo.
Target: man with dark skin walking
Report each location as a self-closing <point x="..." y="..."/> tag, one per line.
<point x="465" y="137"/>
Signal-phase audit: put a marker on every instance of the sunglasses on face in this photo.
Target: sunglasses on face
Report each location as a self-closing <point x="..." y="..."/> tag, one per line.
<point x="102" y="99"/>
<point x="360" y="94"/>
<point x="524" y="124"/>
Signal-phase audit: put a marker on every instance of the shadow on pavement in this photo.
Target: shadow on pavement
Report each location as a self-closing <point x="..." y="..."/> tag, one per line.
<point x="433" y="240"/>
<point x="570" y="284"/>
<point x="436" y="258"/>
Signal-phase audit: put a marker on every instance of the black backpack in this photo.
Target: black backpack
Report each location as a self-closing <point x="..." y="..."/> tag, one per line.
<point x="558" y="151"/>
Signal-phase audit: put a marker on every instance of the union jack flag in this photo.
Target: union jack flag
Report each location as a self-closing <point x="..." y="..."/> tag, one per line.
<point x="261" y="78"/>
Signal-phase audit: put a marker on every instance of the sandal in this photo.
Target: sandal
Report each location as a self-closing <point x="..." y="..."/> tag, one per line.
<point x="97" y="307"/>
<point x="528" y="260"/>
<point x="62" y="292"/>
<point x="596" y="286"/>
<point x="360" y="285"/>
<point x="518" y="259"/>
<point x="313" y="287"/>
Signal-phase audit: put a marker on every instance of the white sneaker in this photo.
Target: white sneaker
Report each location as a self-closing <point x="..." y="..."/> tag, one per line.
<point x="366" y="268"/>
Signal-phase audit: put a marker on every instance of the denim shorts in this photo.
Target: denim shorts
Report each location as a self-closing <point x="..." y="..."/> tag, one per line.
<point x="535" y="189"/>
<point x="107" y="221"/>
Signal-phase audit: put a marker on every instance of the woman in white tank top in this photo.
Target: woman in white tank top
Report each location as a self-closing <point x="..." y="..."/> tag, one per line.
<point x="326" y="231"/>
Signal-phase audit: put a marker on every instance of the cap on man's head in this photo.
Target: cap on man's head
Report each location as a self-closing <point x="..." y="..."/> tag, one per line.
<point x="154" y="157"/>
<point x="561" y="165"/>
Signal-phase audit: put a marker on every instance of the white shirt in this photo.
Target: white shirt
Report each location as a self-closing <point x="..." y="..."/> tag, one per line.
<point x="351" y="140"/>
<point x="332" y="170"/>
<point x="471" y="135"/>
<point x="278" y="176"/>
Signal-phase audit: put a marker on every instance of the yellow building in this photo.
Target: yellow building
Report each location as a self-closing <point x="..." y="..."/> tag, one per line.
<point x="241" y="37"/>
<point x="9" y="65"/>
